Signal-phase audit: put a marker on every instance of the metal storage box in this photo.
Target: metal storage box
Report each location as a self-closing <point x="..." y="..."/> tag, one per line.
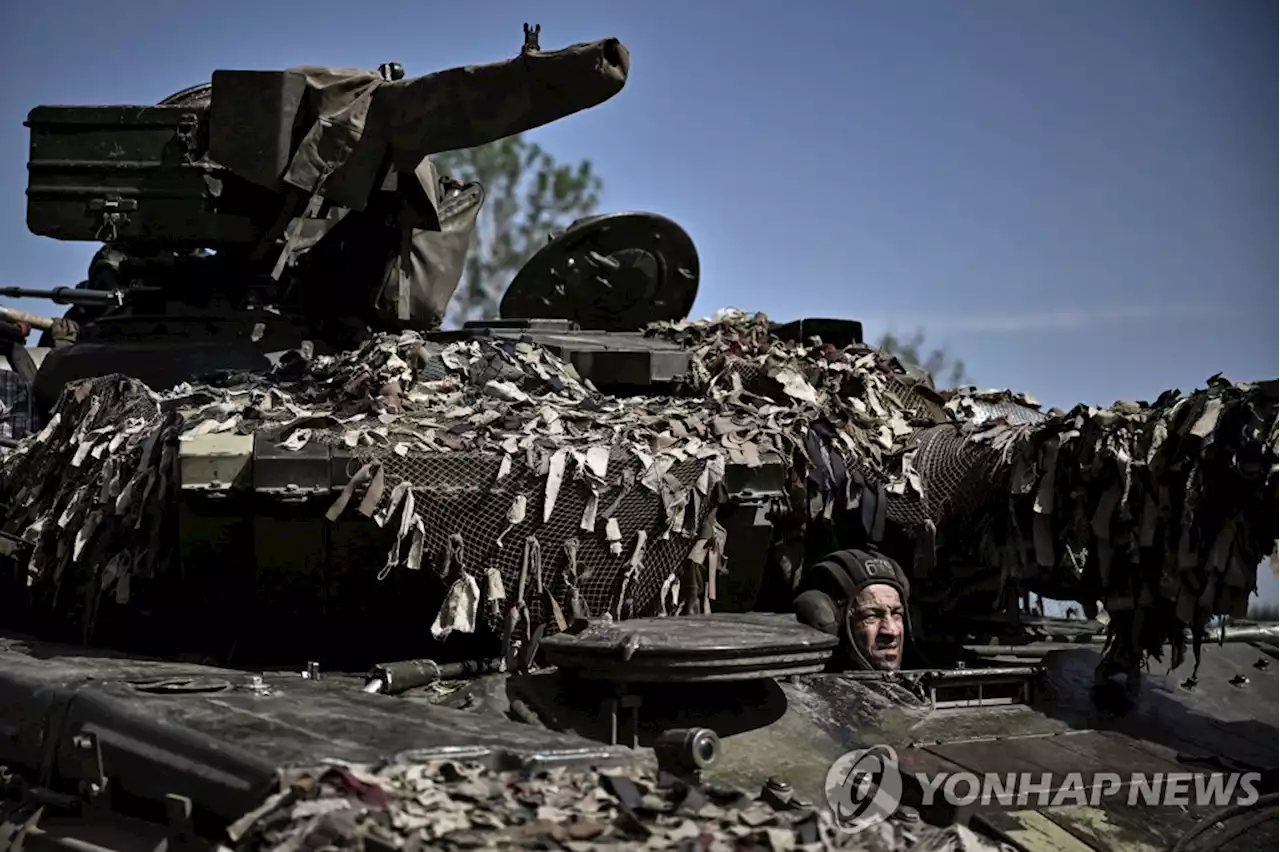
<point x="131" y="175"/>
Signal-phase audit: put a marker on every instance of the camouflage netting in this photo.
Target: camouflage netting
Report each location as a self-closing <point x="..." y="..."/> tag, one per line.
<point x="1174" y="505"/>
<point x="523" y="486"/>
<point x="452" y="806"/>
<point x="540" y="500"/>
<point x="889" y="426"/>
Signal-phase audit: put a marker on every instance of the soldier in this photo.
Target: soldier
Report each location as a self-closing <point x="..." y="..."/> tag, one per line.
<point x="104" y="276"/>
<point x="862" y="598"/>
<point x="12" y="333"/>
<point x="16" y="416"/>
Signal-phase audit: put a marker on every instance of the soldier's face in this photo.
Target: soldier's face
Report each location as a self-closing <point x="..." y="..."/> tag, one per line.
<point x="876" y="626"/>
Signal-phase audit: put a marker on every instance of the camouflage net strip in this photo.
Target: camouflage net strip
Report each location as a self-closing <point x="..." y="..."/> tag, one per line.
<point x="1173" y="504"/>
<point x="455" y="806"/>
<point x="541" y="500"/>
<point x="95" y="491"/>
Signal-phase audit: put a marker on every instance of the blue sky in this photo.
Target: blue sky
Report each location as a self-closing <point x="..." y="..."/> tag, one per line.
<point x="1078" y="198"/>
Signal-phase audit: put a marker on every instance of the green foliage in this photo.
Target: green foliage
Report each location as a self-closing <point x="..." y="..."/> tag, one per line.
<point x="528" y="195"/>
<point x="947" y="371"/>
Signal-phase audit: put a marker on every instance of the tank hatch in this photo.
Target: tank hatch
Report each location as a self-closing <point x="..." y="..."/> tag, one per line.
<point x="719" y="661"/>
<point x="695" y="648"/>
<point x="613" y="272"/>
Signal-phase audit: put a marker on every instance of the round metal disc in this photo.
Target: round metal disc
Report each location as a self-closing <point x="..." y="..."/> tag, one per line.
<point x="614" y="272"/>
<point x="719" y="647"/>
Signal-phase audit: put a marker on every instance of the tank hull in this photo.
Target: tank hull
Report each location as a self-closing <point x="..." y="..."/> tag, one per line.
<point x="109" y="742"/>
<point x="795" y="729"/>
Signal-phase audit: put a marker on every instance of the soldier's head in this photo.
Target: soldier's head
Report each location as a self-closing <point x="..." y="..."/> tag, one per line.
<point x="862" y="598"/>
<point x="875" y="626"/>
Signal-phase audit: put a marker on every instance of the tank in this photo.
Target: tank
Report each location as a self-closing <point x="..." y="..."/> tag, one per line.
<point x="287" y="565"/>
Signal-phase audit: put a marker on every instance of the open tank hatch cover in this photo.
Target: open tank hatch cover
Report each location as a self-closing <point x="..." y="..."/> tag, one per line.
<point x="612" y="272"/>
<point x="720" y="647"/>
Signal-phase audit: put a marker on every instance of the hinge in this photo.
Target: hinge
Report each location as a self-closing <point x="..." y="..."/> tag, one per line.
<point x="181" y="831"/>
<point x="87" y="763"/>
<point x="113" y="204"/>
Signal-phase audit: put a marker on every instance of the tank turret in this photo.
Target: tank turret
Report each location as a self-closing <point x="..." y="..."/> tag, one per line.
<point x="272" y="217"/>
<point x="265" y="209"/>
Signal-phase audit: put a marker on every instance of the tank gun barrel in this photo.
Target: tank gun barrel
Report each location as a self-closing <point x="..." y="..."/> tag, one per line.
<point x="474" y="105"/>
<point x="66" y="296"/>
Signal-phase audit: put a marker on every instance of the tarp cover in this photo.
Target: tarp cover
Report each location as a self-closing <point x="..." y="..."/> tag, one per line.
<point x="363" y="124"/>
<point x="361" y="119"/>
